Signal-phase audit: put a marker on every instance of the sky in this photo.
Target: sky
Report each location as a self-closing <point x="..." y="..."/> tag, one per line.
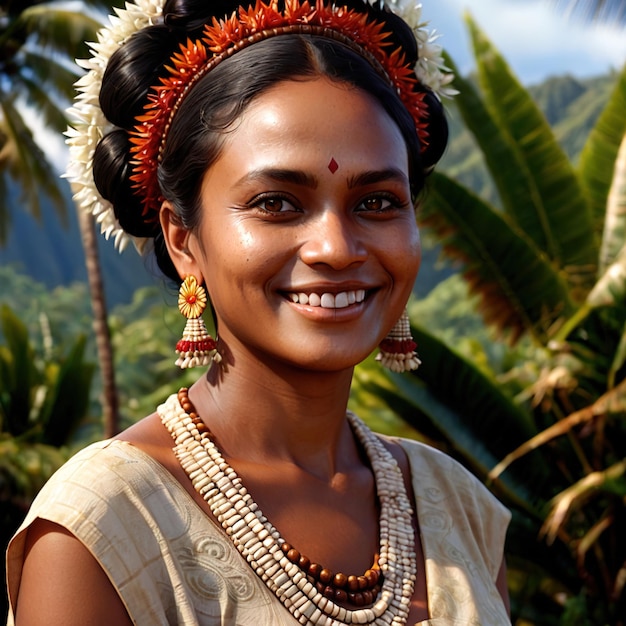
<point x="536" y="39"/>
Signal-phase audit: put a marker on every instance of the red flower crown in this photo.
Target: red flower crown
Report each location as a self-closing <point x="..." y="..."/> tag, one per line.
<point x="244" y="27"/>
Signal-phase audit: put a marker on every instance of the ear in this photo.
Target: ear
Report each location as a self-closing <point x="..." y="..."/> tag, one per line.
<point x="180" y="242"/>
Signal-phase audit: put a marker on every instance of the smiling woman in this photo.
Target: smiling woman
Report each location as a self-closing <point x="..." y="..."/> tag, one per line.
<point x="274" y="157"/>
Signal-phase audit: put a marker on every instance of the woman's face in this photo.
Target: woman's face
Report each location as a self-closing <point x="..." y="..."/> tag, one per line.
<point x="307" y="241"/>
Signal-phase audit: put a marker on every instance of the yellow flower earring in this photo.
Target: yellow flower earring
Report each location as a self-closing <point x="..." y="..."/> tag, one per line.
<point x="197" y="347"/>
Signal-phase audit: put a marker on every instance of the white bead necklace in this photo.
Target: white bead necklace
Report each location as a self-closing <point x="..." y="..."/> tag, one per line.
<point x="260" y="543"/>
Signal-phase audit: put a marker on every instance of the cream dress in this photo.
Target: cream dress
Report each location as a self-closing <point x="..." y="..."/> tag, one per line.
<point x="171" y="564"/>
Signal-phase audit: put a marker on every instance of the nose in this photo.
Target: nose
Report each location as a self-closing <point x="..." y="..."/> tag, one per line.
<point x="333" y="240"/>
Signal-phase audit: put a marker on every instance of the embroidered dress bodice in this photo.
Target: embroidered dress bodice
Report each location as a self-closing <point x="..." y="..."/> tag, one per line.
<point x="171" y="564"/>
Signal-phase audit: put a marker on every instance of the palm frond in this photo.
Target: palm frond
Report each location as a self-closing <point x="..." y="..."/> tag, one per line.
<point x="519" y="196"/>
<point x="614" y="234"/>
<point x="50" y="73"/>
<point x="56" y="28"/>
<point x="598" y="158"/>
<point x="27" y="164"/>
<point x="521" y="290"/>
<point x="558" y="200"/>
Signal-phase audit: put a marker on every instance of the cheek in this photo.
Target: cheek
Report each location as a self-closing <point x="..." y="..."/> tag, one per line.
<point x="405" y="254"/>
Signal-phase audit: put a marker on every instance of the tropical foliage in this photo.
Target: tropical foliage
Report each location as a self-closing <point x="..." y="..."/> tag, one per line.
<point x="44" y="396"/>
<point x="543" y="422"/>
<point x="38" y="44"/>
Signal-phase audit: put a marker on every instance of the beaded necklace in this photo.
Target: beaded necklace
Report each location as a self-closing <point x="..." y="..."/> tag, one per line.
<point x="263" y="546"/>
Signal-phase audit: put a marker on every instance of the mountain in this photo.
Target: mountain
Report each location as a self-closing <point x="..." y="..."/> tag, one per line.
<point x="571" y="106"/>
<point x="52" y="253"/>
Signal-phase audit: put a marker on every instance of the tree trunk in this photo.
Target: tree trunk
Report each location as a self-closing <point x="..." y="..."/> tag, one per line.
<point x="110" y="402"/>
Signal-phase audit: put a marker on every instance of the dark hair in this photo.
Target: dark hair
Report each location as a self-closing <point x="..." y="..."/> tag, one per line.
<point x="219" y="98"/>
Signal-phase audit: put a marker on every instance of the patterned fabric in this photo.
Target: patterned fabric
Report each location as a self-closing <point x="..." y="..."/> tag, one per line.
<point x="172" y="565"/>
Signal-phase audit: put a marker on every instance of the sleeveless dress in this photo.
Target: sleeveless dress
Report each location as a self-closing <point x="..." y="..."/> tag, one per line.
<point x="171" y="564"/>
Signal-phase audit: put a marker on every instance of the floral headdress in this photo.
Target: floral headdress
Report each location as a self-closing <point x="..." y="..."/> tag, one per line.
<point x="220" y="39"/>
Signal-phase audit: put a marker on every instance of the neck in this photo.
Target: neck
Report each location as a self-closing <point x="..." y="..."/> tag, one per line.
<point x="273" y="412"/>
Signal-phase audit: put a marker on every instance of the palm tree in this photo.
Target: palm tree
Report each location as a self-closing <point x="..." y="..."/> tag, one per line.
<point x="38" y="44"/>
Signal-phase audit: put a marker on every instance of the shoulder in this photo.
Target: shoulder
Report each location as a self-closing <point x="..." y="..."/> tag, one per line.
<point x="439" y="477"/>
<point x="453" y="505"/>
<point x="103" y="469"/>
<point x="104" y="483"/>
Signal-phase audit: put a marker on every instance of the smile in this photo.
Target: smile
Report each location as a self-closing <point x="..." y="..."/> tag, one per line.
<point x="339" y="300"/>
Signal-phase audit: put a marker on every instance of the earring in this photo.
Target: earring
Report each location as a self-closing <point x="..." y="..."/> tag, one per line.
<point x="197" y="347"/>
<point x="397" y="349"/>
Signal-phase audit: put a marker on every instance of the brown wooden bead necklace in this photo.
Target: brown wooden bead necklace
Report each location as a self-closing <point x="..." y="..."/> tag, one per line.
<point x="357" y="590"/>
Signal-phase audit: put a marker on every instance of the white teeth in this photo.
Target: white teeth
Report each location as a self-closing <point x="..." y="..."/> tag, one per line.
<point x="329" y="300"/>
<point x="341" y="300"/>
<point x="314" y="300"/>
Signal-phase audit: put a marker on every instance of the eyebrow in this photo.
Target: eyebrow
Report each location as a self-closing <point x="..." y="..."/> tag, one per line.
<point x="283" y="175"/>
<point x="377" y="176"/>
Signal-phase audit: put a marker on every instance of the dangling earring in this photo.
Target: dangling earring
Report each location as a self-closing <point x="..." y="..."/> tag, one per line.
<point x="197" y="347"/>
<point x="397" y="349"/>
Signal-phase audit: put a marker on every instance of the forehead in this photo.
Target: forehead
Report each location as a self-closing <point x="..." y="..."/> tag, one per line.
<point x="315" y="121"/>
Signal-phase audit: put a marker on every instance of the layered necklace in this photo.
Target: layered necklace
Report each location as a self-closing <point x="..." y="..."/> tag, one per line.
<point x="311" y="593"/>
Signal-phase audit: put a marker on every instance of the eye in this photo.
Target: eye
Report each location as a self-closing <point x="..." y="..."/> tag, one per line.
<point x="380" y="203"/>
<point x="273" y="204"/>
<point x="375" y="204"/>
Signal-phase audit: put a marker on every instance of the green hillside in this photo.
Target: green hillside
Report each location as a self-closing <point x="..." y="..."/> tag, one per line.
<point x="571" y="106"/>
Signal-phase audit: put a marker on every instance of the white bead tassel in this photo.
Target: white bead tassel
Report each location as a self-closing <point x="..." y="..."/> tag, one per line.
<point x="196" y="348"/>
<point x="397" y="349"/>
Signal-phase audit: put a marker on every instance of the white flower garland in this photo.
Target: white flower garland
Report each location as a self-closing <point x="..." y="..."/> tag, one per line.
<point x="89" y="125"/>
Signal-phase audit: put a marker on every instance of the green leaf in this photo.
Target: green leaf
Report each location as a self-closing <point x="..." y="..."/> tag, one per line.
<point x="559" y="206"/>
<point x="611" y="288"/>
<point x="28" y="165"/>
<point x="597" y="159"/>
<point x="19" y="376"/>
<point x="55" y="27"/>
<point x="521" y="291"/>
<point x="614" y="234"/>
<point x="507" y="167"/>
<point x="68" y="399"/>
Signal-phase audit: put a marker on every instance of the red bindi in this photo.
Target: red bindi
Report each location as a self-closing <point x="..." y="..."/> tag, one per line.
<point x="333" y="166"/>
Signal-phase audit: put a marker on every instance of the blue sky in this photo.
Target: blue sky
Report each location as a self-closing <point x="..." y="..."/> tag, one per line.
<point x="537" y="40"/>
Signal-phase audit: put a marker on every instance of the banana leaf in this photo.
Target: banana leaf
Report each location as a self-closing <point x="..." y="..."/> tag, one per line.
<point x="521" y="290"/>
<point x="597" y="159"/>
<point x="614" y="232"/>
<point x="558" y="202"/>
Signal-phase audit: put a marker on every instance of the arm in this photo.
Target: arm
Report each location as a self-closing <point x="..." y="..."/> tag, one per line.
<point x="63" y="584"/>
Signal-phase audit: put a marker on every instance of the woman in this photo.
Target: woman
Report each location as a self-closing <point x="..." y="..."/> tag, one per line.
<point x="275" y="159"/>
